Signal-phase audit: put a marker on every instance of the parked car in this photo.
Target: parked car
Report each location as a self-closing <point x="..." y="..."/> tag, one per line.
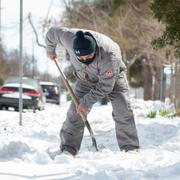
<point x="51" y="91"/>
<point x="33" y="97"/>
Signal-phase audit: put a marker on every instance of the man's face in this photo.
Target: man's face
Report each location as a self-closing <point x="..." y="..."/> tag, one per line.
<point x="86" y="58"/>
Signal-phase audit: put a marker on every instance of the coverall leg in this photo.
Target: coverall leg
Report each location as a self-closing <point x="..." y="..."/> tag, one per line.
<point x="72" y="131"/>
<point x="123" y="116"/>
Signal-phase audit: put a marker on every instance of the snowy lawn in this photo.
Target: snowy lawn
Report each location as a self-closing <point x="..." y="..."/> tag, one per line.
<point x="24" y="149"/>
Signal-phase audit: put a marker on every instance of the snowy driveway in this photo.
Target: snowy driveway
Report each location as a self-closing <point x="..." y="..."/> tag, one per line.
<point x="24" y="149"/>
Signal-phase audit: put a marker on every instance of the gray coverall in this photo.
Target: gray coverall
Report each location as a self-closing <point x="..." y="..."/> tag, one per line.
<point x="105" y="76"/>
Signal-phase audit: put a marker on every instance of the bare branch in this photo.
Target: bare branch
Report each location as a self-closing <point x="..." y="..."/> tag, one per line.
<point x="78" y="11"/>
<point x="132" y="4"/>
<point x="35" y="32"/>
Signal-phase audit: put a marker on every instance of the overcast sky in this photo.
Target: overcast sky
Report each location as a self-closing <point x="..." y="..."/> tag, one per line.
<point x="10" y="24"/>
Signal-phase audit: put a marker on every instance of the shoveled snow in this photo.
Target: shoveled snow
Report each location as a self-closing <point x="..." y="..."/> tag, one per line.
<point x="24" y="150"/>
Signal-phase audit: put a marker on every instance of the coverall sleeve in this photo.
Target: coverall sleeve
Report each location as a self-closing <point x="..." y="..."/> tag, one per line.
<point x="57" y="35"/>
<point x="51" y="40"/>
<point x="107" y="78"/>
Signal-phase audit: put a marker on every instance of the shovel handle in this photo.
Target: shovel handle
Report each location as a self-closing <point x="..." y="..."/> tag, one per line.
<point x="76" y="101"/>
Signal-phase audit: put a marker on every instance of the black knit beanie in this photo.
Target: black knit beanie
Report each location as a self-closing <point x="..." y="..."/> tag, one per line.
<point x="83" y="44"/>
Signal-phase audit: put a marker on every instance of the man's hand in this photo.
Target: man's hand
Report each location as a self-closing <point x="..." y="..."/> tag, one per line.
<point x="52" y="56"/>
<point x="81" y="109"/>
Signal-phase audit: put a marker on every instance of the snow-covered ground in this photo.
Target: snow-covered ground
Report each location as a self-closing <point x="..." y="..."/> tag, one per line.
<point x="24" y="150"/>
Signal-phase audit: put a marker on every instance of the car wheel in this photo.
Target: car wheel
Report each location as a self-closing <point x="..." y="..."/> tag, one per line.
<point x="16" y="109"/>
<point x="58" y="103"/>
<point x="4" y="108"/>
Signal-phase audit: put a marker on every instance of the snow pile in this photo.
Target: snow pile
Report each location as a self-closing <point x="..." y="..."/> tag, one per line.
<point x="25" y="151"/>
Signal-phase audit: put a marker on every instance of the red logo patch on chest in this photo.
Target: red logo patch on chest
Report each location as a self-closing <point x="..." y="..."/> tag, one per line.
<point x="108" y="74"/>
<point x="85" y="76"/>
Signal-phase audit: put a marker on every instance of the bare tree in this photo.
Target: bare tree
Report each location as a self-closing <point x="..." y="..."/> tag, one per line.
<point x="131" y="26"/>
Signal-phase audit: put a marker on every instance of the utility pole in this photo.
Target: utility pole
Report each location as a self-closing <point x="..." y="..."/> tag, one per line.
<point x="163" y="84"/>
<point x="20" y="62"/>
<point x="0" y="24"/>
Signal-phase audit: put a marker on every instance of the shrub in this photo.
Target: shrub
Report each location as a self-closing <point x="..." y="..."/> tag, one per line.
<point x="152" y="114"/>
<point x="164" y="112"/>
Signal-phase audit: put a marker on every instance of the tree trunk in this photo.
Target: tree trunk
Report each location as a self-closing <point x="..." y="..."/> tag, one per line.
<point x="177" y="84"/>
<point x="147" y="77"/>
<point x="156" y="93"/>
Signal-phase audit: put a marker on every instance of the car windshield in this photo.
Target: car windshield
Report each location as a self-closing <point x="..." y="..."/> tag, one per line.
<point x="50" y="88"/>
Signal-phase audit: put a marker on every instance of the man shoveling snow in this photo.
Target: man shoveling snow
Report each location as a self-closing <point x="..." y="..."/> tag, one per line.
<point x="100" y="73"/>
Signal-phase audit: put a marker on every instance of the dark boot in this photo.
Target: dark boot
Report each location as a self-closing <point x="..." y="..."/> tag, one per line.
<point x="127" y="148"/>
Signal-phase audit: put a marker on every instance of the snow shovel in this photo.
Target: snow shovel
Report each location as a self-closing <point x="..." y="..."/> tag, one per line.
<point x="76" y="101"/>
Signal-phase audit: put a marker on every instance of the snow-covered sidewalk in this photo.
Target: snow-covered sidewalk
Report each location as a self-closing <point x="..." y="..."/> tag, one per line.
<point x="24" y="149"/>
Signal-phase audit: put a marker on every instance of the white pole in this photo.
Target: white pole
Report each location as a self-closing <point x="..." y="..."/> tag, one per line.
<point x="0" y="24"/>
<point x="20" y="62"/>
